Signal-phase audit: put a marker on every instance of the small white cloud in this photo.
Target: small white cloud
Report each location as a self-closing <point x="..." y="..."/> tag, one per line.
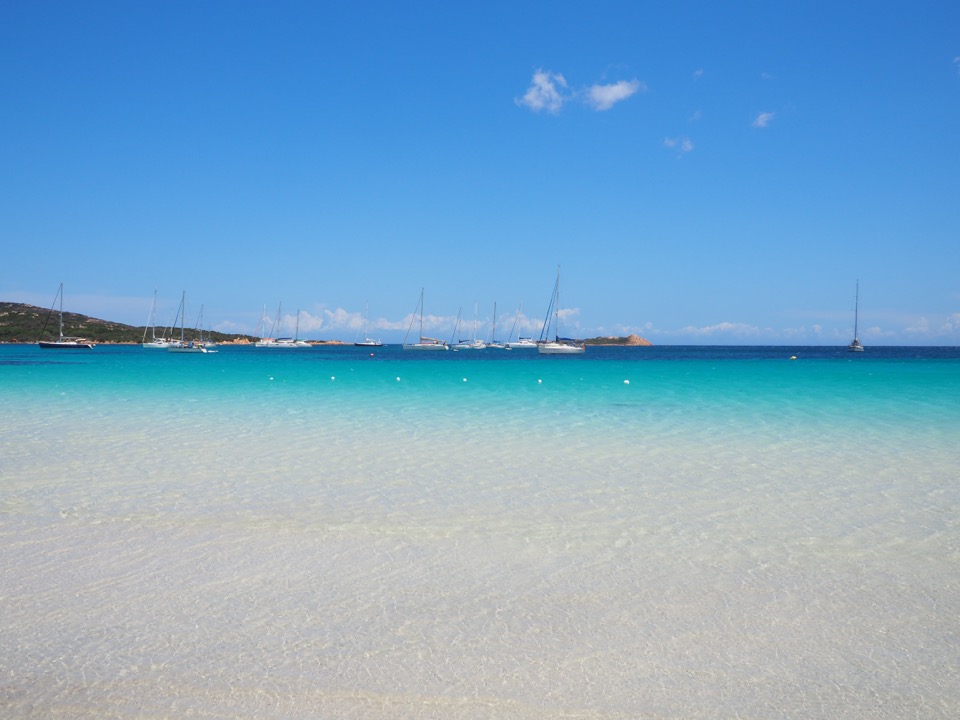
<point x="698" y="73"/>
<point x="952" y="324"/>
<point x="767" y="76"/>
<point x="956" y="64"/>
<point x="682" y="145"/>
<point x="920" y="326"/>
<point x="763" y="119"/>
<point x="604" y="97"/>
<point x="724" y="328"/>
<point x="696" y="116"/>
<point x="544" y="92"/>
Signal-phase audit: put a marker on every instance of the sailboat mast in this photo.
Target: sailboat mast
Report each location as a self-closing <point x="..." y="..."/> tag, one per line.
<point x="183" y="311"/>
<point x="153" y="319"/>
<point x="553" y="314"/>
<point x="856" y="310"/>
<point x="61" y="312"/>
<point x="556" y="310"/>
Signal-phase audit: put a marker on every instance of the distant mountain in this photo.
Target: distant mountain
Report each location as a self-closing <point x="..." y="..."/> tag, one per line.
<point x="20" y="322"/>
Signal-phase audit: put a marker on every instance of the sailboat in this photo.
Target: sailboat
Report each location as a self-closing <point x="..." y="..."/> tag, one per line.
<point x="521" y="343"/>
<point x="154" y="342"/>
<point x="558" y="345"/>
<point x="425" y="343"/>
<point x="494" y="343"/>
<point x="295" y="341"/>
<point x="472" y="343"/>
<point x="182" y="345"/>
<point x="62" y="342"/>
<point x="264" y="341"/>
<point x="208" y="344"/>
<point x="855" y="346"/>
<point x="367" y="341"/>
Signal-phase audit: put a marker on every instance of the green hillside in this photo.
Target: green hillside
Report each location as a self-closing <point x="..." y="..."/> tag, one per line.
<point x="25" y="323"/>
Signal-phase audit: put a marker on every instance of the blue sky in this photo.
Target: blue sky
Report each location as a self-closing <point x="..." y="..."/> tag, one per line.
<point x="703" y="172"/>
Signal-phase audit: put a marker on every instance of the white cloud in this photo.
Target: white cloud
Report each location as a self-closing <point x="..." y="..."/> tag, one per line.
<point x="923" y="328"/>
<point x="919" y="327"/>
<point x="956" y="64"/>
<point x="763" y="119"/>
<point x="698" y="73"/>
<point x="228" y="327"/>
<point x="543" y="93"/>
<point x="724" y="328"/>
<point x="548" y="92"/>
<point x="604" y="97"/>
<point x="681" y="144"/>
<point x="952" y="323"/>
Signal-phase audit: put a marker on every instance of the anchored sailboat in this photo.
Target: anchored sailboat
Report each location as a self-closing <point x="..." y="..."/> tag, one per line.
<point x="473" y="343"/>
<point x="494" y="343"/>
<point x="425" y="343"/>
<point x="367" y="340"/>
<point x="558" y="345"/>
<point x="295" y="341"/>
<point x="154" y="342"/>
<point x="855" y="346"/>
<point x="520" y="343"/>
<point x="62" y="342"/>
<point x="183" y="345"/>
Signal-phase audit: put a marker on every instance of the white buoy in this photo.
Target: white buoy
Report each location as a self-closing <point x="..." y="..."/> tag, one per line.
<point x="332" y="377"/>
<point x="539" y="382"/>
<point x="626" y="382"/>
<point x="464" y="379"/>
<point x="398" y="378"/>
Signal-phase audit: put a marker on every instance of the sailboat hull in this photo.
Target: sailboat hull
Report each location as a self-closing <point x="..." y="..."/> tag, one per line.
<point x="556" y="348"/>
<point x="426" y="346"/>
<point x="65" y="345"/>
<point x="187" y="348"/>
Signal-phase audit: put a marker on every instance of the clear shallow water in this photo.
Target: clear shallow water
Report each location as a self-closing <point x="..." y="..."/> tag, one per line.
<point x="300" y="534"/>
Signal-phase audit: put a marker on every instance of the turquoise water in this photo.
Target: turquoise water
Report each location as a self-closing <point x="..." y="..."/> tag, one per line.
<point x="657" y="532"/>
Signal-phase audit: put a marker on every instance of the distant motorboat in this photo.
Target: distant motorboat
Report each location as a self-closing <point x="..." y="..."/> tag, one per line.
<point x="62" y="342"/>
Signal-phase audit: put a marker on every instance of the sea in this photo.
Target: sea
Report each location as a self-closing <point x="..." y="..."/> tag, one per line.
<point x="346" y="532"/>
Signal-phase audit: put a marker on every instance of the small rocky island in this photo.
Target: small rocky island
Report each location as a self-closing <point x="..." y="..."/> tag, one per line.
<point x="628" y="341"/>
